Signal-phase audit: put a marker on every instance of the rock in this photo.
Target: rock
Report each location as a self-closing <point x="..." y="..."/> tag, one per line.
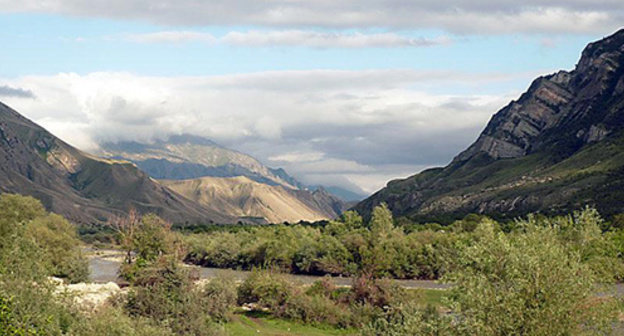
<point x="534" y="154"/>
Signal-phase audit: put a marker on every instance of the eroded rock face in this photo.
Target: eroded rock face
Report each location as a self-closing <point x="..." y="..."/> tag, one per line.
<point x="569" y="102"/>
<point x="558" y="147"/>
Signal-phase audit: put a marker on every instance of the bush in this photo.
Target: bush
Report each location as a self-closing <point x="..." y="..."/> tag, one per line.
<point x="112" y="321"/>
<point x="375" y="292"/>
<point x="35" y="244"/>
<point x="57" y="239"/>
<point x="408" y="320"/>
<point x="148" y="238"/>
<point x="526" y="281"/>
<point x="315" y="309"/>
<point x="219" y="297"/>
<point x="267" y="289"/>
<point x="165" y="294"/>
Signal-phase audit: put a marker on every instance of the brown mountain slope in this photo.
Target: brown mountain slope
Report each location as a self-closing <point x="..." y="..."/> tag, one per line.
<point x="243" y="197"/>
<point x="85" y="189"/>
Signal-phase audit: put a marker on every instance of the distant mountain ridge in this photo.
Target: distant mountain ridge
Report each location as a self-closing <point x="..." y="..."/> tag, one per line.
<point x="242" y="197"/>
<point x="84" y="188"/>
<point x="182" y="157"/>
<point x="560" y="146"/>
<point x="188" y="156"/>
<point x="208" y="173"/>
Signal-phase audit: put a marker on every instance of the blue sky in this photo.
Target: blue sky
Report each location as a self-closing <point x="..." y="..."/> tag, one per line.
<point x="339" y="93"/>
<point x="49" y="44"/>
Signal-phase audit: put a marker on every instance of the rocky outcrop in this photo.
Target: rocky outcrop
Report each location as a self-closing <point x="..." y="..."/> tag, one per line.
<point x="558" y="147"/>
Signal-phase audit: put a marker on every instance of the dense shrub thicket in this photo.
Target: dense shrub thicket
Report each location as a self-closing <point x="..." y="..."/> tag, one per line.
<point x="539" y="280"/>
<point x="388" y="248"/>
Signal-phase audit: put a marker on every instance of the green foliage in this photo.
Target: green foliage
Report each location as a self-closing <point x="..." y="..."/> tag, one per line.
<point x="57" y="239"/>
<point x="113" y="321"/>
<point x="219" y="297"/>
<point x="343" y="247"/>
<point x="408" y="319"/>
<point x="527" y="283"/>
<point x="321" y="303"/>
<point x="267" y="289"/>
<point x="8" y="324"/>
<point x="165" y="294"/>
<point x="15" y="212"/>
<point x="145" y="240"/>
<point x="153" y="238"/>
<point x="35" y="244"/>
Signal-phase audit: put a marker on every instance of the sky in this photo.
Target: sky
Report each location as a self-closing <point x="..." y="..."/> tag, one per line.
<point x="346" y="93"/>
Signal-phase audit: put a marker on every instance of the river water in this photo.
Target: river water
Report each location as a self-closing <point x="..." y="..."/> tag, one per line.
<point x="104" y="265"/>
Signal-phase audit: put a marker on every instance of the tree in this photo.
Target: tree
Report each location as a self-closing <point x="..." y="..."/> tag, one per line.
<point x="126" y="228"/>
<point x="384" y="240"/>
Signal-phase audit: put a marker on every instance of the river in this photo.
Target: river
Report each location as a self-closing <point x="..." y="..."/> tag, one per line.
<point x="104" y="265"/>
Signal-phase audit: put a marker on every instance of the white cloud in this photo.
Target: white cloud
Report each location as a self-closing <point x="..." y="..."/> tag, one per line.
<point x="171" y="37"/>
<point x="350" y="126"/>
<point x="327" y="40"/>
<point x="456" y="16"/>
<point x="296" y="38"/>
<point x="297" y="157"/>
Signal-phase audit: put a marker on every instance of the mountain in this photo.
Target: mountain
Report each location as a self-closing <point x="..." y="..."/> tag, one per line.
<point x="242" y="197"/>
<point x="208" y="173"/>
<point x="186" y="156"/>
<point x="182" y="157"/>
<point x="559" y="147"/>
<point x="84" y="188"/>
<point x="342" y="193"/>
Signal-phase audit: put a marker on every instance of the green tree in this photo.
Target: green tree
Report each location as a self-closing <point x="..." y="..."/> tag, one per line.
<point x="384" y="242"/>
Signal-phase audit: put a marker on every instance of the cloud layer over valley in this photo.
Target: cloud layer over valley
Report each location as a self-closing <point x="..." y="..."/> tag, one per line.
<point x="348" y="128"/>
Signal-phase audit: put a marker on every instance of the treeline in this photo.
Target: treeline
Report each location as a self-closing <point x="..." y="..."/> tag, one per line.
<point x="384" y="247"/>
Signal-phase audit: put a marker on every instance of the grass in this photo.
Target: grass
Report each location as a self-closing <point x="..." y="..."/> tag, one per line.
<point x="258" y="323"/>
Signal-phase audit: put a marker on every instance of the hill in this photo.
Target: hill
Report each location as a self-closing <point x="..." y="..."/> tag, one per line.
<point x="243" y="197"/>
<point x="208" y="173"/>
<point x="82" y="187"/>
<point x="557" y="148"/>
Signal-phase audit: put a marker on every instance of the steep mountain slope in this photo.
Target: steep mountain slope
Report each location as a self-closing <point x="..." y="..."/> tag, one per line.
<point x="199" y="162"/>
<point x="186" y="156"/>
<point x="86" y="189"/>
<point x="342" y="193"/>
<point x="243" y="197"/>
<point x="559" y="147"/>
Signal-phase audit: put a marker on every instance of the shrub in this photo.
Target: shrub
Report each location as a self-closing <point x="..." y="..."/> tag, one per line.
<point x="526" y="282"/>
<point x="219" y="297"/>
<point x="315" y="309"/>
<point x="408" y="320"/>
<point x="57" y="239"/>
<point x="265" y="288"/>
<point x="376" y="292"/>
<point x="165" y="294"/>
<point x="112" y="321"/>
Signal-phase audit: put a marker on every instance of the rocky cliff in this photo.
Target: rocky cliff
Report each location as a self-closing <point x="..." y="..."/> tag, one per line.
<point x="559" y="147"/>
